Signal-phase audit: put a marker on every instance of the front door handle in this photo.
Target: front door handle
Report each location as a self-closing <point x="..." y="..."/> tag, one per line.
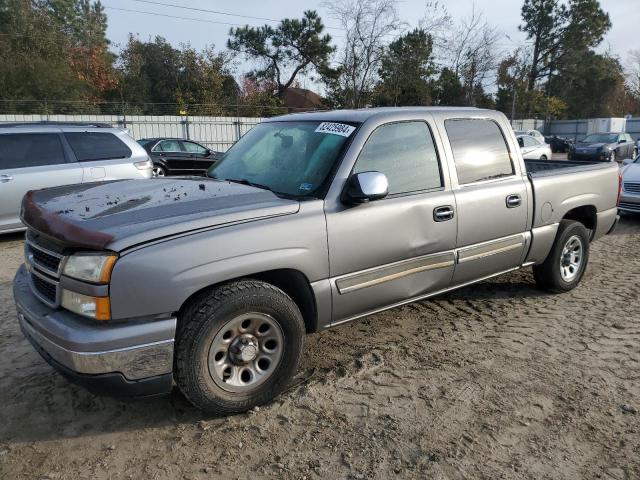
<point x="5" y="178"/>
<point x="443" y="213"/>
<point x="514" y="201"/>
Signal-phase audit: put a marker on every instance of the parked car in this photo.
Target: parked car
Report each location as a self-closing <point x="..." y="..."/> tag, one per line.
<point x="532" y="133"/>
<point x="630" y="195"/>
<point x="309" y="221"/>
<point x="604" y="147"/>
<point x="559" y="144"/>
<point x="49" y="154"/>
<point x="175" y="156"/>
<point x="533" y="149"/>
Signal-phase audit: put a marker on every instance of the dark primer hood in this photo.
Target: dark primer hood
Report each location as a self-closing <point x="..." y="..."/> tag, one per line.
<point x="119" y="214"/>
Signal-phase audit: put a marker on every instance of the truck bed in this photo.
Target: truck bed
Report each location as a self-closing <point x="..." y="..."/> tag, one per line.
<point x="543" y="168"/>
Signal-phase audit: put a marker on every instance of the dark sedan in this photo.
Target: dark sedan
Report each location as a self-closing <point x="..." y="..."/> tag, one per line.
<point x="604" y="147"/>
<point x="559" y="144"/>
<point x="175" y="156"/>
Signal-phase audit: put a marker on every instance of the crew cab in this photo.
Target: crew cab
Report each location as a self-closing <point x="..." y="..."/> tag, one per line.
<point x="308" y="222"/>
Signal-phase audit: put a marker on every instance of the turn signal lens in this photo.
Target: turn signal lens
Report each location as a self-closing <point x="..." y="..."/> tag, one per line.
<point x="98" y="308"/>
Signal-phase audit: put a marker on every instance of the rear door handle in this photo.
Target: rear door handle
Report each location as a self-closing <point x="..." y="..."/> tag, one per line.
<point x="443" y="213"/>
<point x="514" y="201"/>
<point x="5" y="178"/>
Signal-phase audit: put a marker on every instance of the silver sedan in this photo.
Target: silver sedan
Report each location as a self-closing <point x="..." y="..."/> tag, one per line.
<point x="630" y="194"/>
<point x="534" y="149"/>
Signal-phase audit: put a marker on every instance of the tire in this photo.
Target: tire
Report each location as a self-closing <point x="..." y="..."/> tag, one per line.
<point x="200" y="368"/>
<point x="553" y="275"/>
<point x="613" y="156"/>
<point x="543" y="158"/>
<point x="158" y="171"/>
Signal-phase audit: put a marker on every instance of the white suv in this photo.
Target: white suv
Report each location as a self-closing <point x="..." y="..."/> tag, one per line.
<point x="49" y="154"/>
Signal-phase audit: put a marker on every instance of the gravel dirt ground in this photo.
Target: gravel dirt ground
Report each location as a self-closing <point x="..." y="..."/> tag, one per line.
<point x="497" y="380"/>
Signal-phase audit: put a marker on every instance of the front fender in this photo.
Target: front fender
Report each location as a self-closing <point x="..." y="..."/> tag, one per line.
<point x="158" y="278"/>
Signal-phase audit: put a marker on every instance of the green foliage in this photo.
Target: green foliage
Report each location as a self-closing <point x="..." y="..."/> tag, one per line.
<point x="557" y="30"/>
<point x="449" y="91"/>
<point x="54" y="49"/>
<point x="405" y="71"/>
<point x="589" y="83"/>
<point x="294" y="47"/>
<point x="156" y="72"/>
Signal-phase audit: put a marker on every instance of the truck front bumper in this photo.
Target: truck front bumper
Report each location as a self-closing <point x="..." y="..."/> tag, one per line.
<point x="121" y="359"/>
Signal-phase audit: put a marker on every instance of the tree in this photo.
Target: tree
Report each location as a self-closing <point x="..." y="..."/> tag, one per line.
<point x="155" y="72"/>
<point x="590" y="84"/>
<point x="405" y="71"/>
<point x="293" y="48"/>
<point x="49" y="55"/>
<point x="367" y="24"/>
<point x="557" y="30"/>
<point x="448" y="89"/>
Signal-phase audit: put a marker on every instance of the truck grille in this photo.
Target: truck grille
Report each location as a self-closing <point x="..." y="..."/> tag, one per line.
<point x="45" y="289"/>
<point x="630" y="207"/>
<point x="44" y="267"/>
<point x="632" y="187"/>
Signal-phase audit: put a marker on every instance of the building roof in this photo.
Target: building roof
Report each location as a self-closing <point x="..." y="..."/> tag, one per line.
<point x="303" y="99"/>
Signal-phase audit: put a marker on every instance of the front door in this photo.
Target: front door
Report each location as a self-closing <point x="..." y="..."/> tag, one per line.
<point x="491" y="198"/>
<point x="390" y="250"/>
<point x="31" y="161"/>
<point x="201" y="158"/>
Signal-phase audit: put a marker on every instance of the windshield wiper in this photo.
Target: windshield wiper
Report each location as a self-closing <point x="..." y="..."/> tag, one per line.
<point x="244" y="181"/>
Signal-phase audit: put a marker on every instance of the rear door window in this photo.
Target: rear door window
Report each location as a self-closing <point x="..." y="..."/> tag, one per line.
<point x="480" y="151"/>
<point x="23" y="150"/>
<point x="93" y="146"/>
<point x="168" y="146"/>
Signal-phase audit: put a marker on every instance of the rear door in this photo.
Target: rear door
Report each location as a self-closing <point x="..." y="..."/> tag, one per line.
<point x="491" y="198"/>
<point x="172" y="153"/>
<point x="31" y="161"/>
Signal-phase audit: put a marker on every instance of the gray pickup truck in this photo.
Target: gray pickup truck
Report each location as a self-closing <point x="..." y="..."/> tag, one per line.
<point x="309" y="221"/>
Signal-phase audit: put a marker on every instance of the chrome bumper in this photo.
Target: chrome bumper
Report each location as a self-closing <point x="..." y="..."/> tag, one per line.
<point x="136" y="350"/>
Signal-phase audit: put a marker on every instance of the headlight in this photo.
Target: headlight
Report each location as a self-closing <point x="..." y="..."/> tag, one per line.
<point x="95" y="268"/>
<point x="94" y="307"/>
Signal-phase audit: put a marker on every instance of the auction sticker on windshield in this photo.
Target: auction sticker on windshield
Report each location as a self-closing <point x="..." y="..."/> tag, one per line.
<point x="335" y="128"/>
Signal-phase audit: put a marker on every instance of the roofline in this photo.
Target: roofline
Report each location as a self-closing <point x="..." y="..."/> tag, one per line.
<point x="56" y="124"/>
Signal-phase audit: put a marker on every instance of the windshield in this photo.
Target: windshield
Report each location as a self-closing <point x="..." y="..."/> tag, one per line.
<point x="289" y="158"/>
<point x="601" y="138"/>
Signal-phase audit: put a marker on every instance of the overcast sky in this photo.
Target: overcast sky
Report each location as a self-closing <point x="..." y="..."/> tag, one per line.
<point x="504" y="14"/>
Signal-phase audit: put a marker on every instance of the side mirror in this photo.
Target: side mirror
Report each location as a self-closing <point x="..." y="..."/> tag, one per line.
<point x="622" y="141"/>
<point x="366" y="187"/>
<point x="627" y="161"/>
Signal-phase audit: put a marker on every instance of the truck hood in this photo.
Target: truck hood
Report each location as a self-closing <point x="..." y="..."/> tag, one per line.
<point x="631" y="173"/>
<point x="119" y="214"/>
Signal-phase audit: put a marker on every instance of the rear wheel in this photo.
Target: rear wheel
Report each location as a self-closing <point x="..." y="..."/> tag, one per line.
<point x="238" y="346"/>
<point x="543" y="157"/>
<point x="566" y="263"/>
<point x="158" y="171"/>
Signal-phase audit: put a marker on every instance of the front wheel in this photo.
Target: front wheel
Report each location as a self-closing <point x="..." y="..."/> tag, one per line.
<point x="238" y="346"/>
<point x="543" y="158"/>
<point x="613" y="156"/>
<point x="566" y="263"/>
